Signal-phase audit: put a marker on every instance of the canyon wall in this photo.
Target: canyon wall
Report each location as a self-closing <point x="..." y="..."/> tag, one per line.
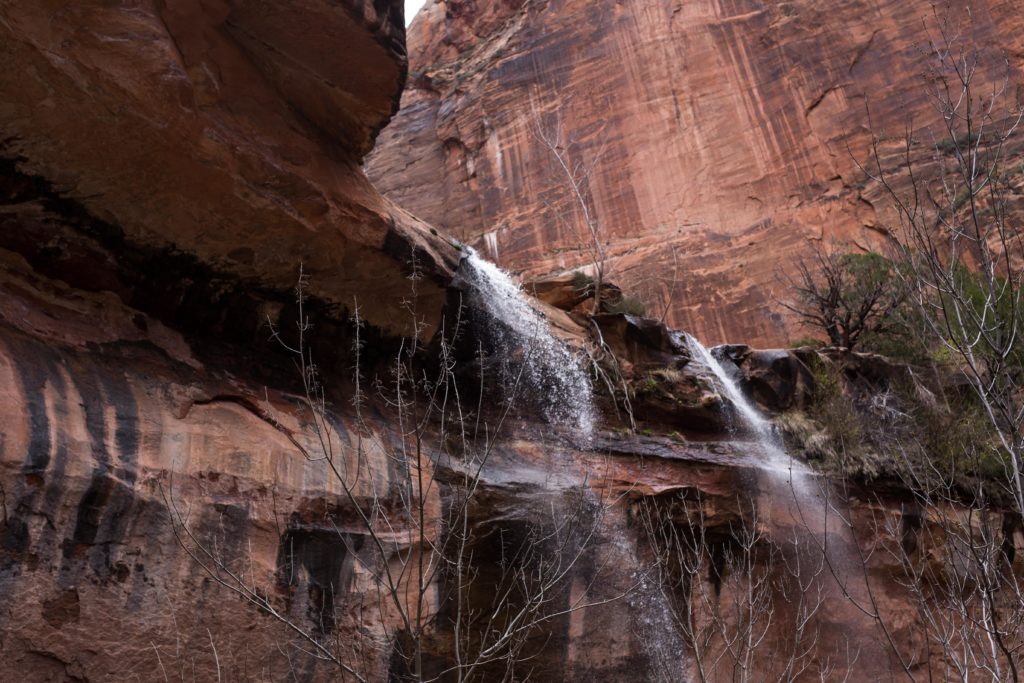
<point x="718" y="139"/>
<point x="171" y="172"/>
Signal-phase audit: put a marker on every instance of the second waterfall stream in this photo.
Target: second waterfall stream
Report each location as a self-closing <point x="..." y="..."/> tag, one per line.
<point x="559" y="385"/>
<point x="775" y="457"/>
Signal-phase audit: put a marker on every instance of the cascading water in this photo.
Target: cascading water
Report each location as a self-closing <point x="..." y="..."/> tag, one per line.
<point x="776" y="457"/>
<point x="553" y="378"/>
<point x="660" y="640"/>
<point x="789" y="497"/>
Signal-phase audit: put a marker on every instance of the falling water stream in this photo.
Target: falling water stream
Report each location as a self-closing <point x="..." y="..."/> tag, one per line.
<point x="811" y="509"/>
<point x="533" y="359"/>
<point x="776" y="459"/>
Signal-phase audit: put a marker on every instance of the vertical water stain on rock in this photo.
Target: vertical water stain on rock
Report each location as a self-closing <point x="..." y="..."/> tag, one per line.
<point x="319" y="563"/>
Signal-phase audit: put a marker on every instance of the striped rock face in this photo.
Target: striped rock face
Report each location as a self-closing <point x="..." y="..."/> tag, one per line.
<point x="168" y="167"/>
<point x="166" y="170"/>
<point x="719" y="139"/>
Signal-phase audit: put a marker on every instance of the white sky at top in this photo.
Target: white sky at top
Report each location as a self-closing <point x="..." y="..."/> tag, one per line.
<point x="411" y="8"/>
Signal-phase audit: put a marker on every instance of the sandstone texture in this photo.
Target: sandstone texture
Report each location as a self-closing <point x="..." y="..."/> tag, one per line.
<point x="167" y="170"/>
<point x="229" y="133"/>
<point x="110" y="424"/>
<point x="719" y="139"/>
<point x="117" y="422"/>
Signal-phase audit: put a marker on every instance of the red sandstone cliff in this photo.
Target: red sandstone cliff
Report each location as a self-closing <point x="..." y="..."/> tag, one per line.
<point x="231" y="133"/>
<point x="722" y="136"/>
<point x="165" y="168"/>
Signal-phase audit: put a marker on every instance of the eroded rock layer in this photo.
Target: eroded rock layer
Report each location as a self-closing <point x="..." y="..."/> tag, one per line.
<point x="230" y="133"/>
<point x="718" y="139"/>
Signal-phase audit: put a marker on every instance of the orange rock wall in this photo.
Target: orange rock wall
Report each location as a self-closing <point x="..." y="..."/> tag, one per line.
<point x="164" y="169"/>
<point x="228" y="131"/>
<point x="721" y="136"/>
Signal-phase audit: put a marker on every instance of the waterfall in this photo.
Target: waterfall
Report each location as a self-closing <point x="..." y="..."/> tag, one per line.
<point x="533" y="359"/>
<point x="768" y="439"/>
<point x="660" y="640"/>
<point x="791" y="498"/>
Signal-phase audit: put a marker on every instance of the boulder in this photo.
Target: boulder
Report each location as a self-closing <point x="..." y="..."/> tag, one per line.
<point x="778" y="379"/>
<point x="643" y="343"/>
<point x="565" y="291"/>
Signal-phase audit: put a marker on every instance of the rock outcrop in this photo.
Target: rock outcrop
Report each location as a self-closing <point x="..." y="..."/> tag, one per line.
<point x="167" y="171"/>
<point x="716" y="141"/>
<point x="230" y="135"/>
<point x="777" y="379"/>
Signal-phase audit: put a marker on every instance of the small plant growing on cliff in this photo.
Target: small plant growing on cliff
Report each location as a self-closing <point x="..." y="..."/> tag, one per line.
<point x="810" y="342"/>
<point x="841" y="442"/>
<point x="581" y="280"/>
<point x="629" y="305"/>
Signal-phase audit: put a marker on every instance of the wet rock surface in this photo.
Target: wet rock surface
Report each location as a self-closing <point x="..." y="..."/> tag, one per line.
<point x="778" y="379"/>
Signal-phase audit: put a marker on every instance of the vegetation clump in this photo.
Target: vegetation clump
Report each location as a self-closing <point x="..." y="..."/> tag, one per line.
<point x="581" y="280"/>
<point x="629" y="305"/>
<point x="853" y="298"/>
